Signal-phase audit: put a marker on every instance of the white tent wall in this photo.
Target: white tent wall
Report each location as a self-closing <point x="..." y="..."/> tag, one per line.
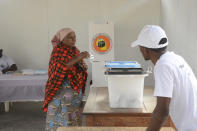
<point x="24" y="32"/>
<point x="179" y="20"/>
<point x="27" y="26"/>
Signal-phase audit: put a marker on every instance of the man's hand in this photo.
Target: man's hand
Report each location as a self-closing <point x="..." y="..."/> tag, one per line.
<point x="160" y="114"/>
<point x="11" y="68"/>
<point x="4" y="70"/>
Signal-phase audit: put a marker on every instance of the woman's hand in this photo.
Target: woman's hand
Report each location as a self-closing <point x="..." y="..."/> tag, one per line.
<point x="84" y="54"/>
<point x="78" y="58"/>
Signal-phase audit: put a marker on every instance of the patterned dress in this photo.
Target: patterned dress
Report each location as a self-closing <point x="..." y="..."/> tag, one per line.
<point x="64" y="109"/>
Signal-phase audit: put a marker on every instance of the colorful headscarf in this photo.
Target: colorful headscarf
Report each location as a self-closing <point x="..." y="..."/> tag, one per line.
<point x="77" y="74"/>
<point x="60" y="35"/>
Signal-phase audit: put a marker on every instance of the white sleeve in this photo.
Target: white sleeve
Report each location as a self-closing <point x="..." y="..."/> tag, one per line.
<point x="163" y="81"/>
<point x="9" y="61"/>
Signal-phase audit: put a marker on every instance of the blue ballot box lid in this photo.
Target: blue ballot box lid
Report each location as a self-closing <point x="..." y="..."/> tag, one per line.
<point x="122" y="64"/>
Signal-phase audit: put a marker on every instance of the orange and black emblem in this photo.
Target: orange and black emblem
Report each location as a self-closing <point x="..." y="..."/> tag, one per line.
<point x="102" y="43"/>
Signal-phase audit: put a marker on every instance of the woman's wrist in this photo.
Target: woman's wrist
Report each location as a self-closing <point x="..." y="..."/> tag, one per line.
<point x="81" y="56"/>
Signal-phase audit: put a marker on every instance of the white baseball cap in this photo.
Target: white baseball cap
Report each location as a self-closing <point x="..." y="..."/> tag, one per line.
<point x="151" y="36"/>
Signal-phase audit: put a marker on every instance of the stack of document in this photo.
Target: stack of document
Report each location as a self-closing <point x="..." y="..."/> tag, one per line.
<point x="123" y="67"/>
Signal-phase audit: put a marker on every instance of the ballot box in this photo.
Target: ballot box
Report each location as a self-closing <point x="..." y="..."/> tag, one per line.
<point x="125" y="84"/>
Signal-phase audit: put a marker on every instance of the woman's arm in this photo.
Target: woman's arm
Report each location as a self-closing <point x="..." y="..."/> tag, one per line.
<point x="78" y="58"/>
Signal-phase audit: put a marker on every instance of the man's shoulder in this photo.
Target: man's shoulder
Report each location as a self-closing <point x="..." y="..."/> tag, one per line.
<point x="168" y="60"/>
<point x="164" y="66"/>
<point x="5" y="57"/>
<point x="164" y="63"/>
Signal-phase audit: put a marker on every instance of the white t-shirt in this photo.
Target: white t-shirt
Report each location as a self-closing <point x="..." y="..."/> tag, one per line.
<point x="5" y="62"/>
<point x="174" y="79"/>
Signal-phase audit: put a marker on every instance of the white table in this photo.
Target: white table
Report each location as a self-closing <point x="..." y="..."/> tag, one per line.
<point x="20" y="88"/>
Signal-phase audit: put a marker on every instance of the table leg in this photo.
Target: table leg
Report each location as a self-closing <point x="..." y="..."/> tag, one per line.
<point x="6" y="106"/>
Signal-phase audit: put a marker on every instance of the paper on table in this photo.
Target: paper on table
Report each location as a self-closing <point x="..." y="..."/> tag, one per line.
<point x="27" y="72"/>
<point x="40" y="72"/>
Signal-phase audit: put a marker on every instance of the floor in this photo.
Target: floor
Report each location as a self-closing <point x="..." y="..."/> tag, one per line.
<point x="23" y="116"/>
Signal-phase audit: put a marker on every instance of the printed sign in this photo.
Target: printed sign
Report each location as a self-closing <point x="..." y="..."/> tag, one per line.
<point x="101" y="43"/>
